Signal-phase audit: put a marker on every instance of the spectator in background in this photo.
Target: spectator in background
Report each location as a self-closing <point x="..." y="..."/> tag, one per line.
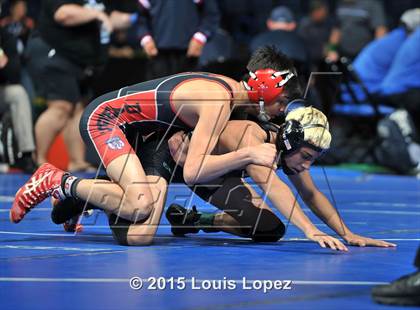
<point x="298" y="7"/>
<point x="120" y="45"/>
<point x="173" y="33"/>
<point x="124" y="42"/>
<point x="64" y="56"/>
<point x="14" y="95"/>
<point x="245" y="19"/>
<point x="389" y="66"/>
<point x="374" y="61"/>
<point x="218" y="50"/>
<point x="401" y="85"/>
<point x="315" y="30"/>
<point x="34" y="6"/>
<point x="282" y="33"/>
<point x="18" y="24"/>
<point x="358" y="23"/>
<point x="395" y="9"/>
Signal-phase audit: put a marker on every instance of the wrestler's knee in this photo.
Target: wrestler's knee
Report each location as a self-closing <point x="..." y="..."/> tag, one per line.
<point x="269" y="235"/>
<point x="136" y="205"/>
<point x="120" y="231"/>
<point x="140" y="203"/>
<point x="119" y="228"/>
<point x="268" y="228"/>
<point x="139" y="240"/>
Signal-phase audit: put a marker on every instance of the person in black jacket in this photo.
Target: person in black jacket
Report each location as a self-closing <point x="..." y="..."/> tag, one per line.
<point x="173" y="33"/>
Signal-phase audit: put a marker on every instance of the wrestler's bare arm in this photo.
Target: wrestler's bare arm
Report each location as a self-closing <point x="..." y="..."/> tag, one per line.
<point x="209" y="112"/>
<point x="276" y="190"/>
<point x="322" y="207"/>
<point x="318" y="203"/>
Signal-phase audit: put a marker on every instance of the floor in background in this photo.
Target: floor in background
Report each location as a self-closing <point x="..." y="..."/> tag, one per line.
<point x="41" y="267"/>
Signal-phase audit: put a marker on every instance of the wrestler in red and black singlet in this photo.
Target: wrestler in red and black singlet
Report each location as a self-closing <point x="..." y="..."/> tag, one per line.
<point x="145" y="107"/>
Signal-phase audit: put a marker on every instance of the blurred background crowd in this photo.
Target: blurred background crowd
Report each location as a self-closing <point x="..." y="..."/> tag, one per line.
<point x="358" y="61"/>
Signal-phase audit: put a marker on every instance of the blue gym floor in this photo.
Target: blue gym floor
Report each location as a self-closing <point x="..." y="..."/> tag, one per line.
<point x="42" y="267"/>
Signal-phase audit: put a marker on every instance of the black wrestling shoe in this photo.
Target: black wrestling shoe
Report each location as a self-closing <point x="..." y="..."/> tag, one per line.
<point x="64" y="210"/>
<point x="73" y="224"/>
<point x="404" y="291"/>
<point x="183" y="221"/>
<point x="68" y="212"/>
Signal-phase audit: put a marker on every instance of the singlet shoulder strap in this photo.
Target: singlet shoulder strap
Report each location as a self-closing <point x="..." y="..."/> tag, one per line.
<point x="268" y="128"/>
<point x="226" y="85"/>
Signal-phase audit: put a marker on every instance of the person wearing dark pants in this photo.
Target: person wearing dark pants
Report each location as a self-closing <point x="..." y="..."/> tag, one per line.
<point x="401" y="85"/>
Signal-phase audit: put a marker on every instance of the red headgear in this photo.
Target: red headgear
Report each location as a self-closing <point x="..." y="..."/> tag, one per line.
<point x="265" y="85"/>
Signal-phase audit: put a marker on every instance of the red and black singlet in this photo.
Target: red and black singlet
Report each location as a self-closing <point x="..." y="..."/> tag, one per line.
<point x="145" y="107"/>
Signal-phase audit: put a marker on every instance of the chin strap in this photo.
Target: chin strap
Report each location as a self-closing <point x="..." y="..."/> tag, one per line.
<point x="262" y="115"/>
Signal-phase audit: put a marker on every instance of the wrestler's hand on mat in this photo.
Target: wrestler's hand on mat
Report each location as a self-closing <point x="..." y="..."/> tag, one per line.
<point x="264" y="155"/>
<point x="353" y="239"/>
<point x="150" y="48"/>
<point x="325" y="240"/>
<point x="195" y="48"/>
<point x="178" y="147"/>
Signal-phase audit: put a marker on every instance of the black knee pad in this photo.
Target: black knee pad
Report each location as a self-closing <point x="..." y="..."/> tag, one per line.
<point x="269" y="228"/>
<point x="236" y="200"/>
<point x="119" y="228"/>
<point x="259" y="224"/>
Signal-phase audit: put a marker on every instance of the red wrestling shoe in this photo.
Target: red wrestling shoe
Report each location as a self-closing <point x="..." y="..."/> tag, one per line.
<point x="45" y="182"/>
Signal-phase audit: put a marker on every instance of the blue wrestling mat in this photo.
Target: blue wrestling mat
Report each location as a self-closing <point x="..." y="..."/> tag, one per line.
<point x="42" y="267"/>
